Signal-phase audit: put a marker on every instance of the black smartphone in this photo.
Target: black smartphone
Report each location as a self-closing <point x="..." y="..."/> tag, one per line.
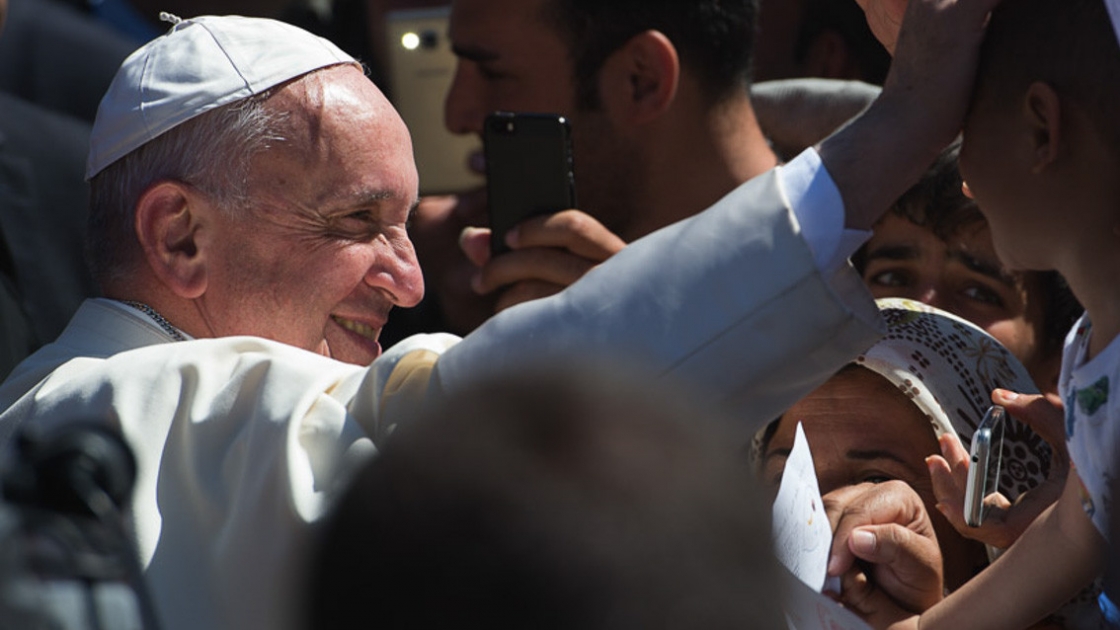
<point x="529" y="170"/>
<point x="983" y="472"/>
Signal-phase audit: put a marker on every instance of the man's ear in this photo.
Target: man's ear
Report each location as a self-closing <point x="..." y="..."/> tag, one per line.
<point x="167" y="225"/>
<point x="1042" y="112"/>
<point x="639" y="81"/>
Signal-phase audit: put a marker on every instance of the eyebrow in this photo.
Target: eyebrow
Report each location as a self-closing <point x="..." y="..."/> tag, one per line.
<point x="993" y="271"/>
<point x="901" y="253"/>
<point x="859" y="455"/>
<point x="360" y="199"/>
<point x="893" y="252"/>
<point x="874" y="454"/>
<point x="778" y="452"/>
<point x="474" y="53"/>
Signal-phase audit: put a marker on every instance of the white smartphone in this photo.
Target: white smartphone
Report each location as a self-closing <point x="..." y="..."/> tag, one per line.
<point x="985" y="458"/>
<point x="421" y="68"/>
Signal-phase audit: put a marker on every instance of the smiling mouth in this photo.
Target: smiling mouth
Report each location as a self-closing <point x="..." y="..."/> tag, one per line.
<point x="358" y="328"/>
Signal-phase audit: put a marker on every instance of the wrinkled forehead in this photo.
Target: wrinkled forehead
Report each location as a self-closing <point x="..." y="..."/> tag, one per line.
<point x="338" y="136"/>
<point x="340" y="109"/>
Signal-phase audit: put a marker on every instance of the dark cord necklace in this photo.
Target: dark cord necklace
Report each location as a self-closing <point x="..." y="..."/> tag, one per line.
<point x="157" y="318"/>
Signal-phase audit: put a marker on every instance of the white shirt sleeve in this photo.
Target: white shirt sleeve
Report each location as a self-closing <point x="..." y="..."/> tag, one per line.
<point x="731" y="300"/>
<point x="819" y="210"/>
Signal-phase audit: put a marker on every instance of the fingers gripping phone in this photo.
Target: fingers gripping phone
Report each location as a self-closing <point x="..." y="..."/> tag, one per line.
<point x="529" y="170"/>
<point x="985" y="459"/>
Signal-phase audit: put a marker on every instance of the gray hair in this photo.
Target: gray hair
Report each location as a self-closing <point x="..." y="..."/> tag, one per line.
<point x="211" y="152"/>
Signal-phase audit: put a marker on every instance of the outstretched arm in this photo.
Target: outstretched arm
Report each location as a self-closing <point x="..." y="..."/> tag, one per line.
<point x="1059" y="554"/>
<point x="880" y="154"/>
<point x="732" y="300"/>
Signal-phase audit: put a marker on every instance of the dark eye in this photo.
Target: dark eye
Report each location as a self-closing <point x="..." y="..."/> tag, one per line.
<point x="981" y="293"/>
<point x="876" y="477"/>
<point x="890" y="278"/>
<point x="360" y="215"/>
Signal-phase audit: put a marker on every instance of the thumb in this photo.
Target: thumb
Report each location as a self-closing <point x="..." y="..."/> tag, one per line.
<point x="475" y="243"/>
<point x="1035" y="410"/>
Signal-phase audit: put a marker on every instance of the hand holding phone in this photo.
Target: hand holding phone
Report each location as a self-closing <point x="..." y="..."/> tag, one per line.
<point x="985" y="458"/>
<point x="529" y="170"/>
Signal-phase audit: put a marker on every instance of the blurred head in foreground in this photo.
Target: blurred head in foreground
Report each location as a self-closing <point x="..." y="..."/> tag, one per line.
<point x="556" y="498"/>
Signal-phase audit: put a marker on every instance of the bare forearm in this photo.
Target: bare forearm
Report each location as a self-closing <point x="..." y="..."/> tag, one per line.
<point x="1057" y="556"/>
<point x="876" y="157"/>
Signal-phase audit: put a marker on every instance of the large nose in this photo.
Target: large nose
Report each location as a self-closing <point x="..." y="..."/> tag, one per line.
<point x="933" y="295"/>
<point x="465" y="109"/>
<point x="397" y="272"/>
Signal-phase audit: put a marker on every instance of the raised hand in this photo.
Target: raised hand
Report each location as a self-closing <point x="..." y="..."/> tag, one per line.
<point x="1004" y="521"/>
<point x="884" y="550"/>
<point x="549" y="253"/>
<point x="885" y="19"/>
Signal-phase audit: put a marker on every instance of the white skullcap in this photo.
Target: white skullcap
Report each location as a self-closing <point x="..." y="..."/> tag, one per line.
<point x="200" y="64"/>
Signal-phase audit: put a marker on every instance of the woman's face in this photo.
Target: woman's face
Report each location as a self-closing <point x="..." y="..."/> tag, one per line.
<point x="861" y="428"/>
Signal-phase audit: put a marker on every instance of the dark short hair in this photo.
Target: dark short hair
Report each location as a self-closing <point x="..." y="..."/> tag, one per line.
<point x="847" y="19"/>
<point x="570" y="497"/>
<point x="714" y="38"/>
<point x="1069" y="44"/>
<point x="938" y="204"/>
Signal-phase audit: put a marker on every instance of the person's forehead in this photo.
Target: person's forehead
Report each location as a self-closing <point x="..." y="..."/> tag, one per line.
<point x="504" y="19"/>
<point x="336" y="95"/>
<point x="339" y="121"/>
<point x="855" y="399"/>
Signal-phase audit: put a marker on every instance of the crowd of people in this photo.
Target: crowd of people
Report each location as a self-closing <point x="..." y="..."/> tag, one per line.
<point x="583" y="431"/>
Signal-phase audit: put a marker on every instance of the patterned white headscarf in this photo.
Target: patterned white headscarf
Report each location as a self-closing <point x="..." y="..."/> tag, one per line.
<point x="948" y="368"/>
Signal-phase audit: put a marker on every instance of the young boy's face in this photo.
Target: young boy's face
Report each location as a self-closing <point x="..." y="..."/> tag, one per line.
<point x="996" y="178"/>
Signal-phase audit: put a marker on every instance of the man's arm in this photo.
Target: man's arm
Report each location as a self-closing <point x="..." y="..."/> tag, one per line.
<point x="731" y="300"/>
<point x="881" y="153"/>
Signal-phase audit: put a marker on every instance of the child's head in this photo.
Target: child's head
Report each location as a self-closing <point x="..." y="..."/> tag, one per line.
<point x="1043" y="123"/>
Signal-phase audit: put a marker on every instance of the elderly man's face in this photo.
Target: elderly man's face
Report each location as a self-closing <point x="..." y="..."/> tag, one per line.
<point x="323" y="255"/>
<point x="861" y="428"/>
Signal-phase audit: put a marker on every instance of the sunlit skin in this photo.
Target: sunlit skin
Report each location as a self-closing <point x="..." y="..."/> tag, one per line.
<point x="988" y="164"/>
<point x="861" y="429"/>
<point x="510" y="58"/>
<point x="963" y="276"/>
<point x="323" y="255"/>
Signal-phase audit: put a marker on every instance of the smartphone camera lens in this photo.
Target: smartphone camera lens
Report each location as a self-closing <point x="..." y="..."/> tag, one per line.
<point x="503" y="125"/>
<point x="429" y="40"/>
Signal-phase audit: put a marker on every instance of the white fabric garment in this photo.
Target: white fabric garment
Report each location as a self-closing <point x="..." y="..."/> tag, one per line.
<point x="240" y="440"/>
<point x="1092" y="419"/>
